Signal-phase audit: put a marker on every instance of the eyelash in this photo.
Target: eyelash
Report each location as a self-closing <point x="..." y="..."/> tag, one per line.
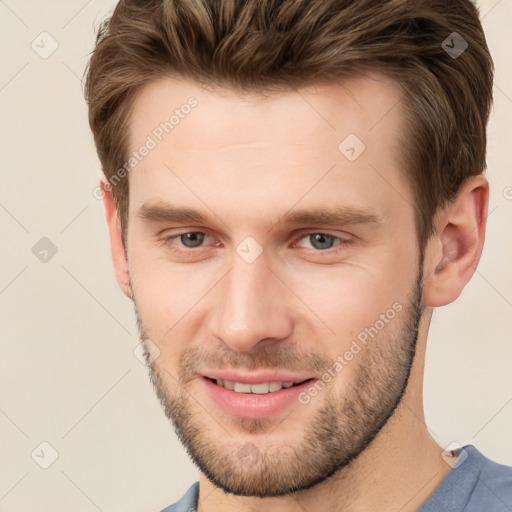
<point x="337" y="247"/>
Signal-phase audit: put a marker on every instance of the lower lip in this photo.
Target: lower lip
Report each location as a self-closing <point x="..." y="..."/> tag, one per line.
<point x="252" y="405"/>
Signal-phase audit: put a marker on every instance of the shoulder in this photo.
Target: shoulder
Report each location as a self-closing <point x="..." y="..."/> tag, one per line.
<point x="474" y="484"/>
<point x="493" y="486"/>
<point x="187" y="503"/>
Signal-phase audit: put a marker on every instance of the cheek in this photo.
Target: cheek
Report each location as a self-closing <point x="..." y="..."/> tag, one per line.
<point x="366" y="314"/>
<point x="350" y="297"/>
<point x="162" y="310"/>
<point x="169" y="297"/>
<point x="360" y="304"/>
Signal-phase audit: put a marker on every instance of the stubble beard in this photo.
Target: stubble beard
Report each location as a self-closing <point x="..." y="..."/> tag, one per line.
<point x="335" y="435"/>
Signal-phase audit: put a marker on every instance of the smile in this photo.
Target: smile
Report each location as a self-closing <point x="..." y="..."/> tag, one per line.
<point x="261" y="388"/>
<point x="260" y="398"/>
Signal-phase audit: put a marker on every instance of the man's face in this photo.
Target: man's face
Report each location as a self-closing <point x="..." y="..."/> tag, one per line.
<point x="262" y="287"/>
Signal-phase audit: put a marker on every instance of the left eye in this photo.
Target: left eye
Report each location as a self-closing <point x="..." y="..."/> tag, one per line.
<point x="322" y="241"/>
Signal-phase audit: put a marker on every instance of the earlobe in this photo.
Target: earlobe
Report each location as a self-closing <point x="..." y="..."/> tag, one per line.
<point x="453" y="253"/>
<point x="116" y="244"/>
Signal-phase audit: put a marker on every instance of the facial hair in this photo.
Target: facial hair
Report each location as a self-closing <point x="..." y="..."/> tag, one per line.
<point x="335" y="434"/>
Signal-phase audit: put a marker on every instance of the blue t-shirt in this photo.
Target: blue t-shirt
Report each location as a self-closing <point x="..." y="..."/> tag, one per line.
<point x="474" y="484"/>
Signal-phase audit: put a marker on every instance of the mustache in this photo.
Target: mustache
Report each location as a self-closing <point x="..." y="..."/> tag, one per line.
<point x="268" y="357"/>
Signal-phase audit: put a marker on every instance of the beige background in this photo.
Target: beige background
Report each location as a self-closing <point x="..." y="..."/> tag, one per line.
<point x="68" y="374"/>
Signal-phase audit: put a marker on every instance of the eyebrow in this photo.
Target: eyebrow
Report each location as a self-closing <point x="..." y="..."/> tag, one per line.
<point x="342" y="215"/>
<point x="165" y="212"/>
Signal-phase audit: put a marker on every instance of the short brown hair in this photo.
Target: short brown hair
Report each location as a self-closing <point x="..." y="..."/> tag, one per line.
<point x="264" y="45"/>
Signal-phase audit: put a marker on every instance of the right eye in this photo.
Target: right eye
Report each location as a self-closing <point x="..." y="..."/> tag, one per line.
<point x="189" y="239"/>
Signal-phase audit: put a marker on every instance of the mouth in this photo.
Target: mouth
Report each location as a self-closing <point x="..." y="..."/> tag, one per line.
<point x="255" y="396"/>
<point x="261" y="388"/>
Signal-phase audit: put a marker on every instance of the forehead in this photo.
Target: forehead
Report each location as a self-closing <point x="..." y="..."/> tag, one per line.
<point x="326" y="108"/>
<point x="214" y="142"/>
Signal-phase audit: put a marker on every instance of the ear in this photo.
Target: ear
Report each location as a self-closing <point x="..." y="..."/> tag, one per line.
<point x="116" y="244"/>
<point x="453" y="252"/>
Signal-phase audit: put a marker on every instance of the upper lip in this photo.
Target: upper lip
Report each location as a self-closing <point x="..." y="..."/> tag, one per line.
<point x="256" y="377"/>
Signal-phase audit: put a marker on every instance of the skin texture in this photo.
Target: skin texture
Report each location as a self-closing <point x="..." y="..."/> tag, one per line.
<point x="246" y="162"/>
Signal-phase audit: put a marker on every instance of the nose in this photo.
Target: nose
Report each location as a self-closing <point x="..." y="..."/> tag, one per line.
<point x="252" y="305"/>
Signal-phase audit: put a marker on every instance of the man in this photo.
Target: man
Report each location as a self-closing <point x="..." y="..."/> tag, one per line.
<point x="291" y="187"/>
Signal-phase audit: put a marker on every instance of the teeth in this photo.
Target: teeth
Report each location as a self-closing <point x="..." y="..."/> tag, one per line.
<point x="258" y="389"/>
<point x="275" y="386"/>
<point x="242" y="388"/>
<point x="228" y="384"/>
